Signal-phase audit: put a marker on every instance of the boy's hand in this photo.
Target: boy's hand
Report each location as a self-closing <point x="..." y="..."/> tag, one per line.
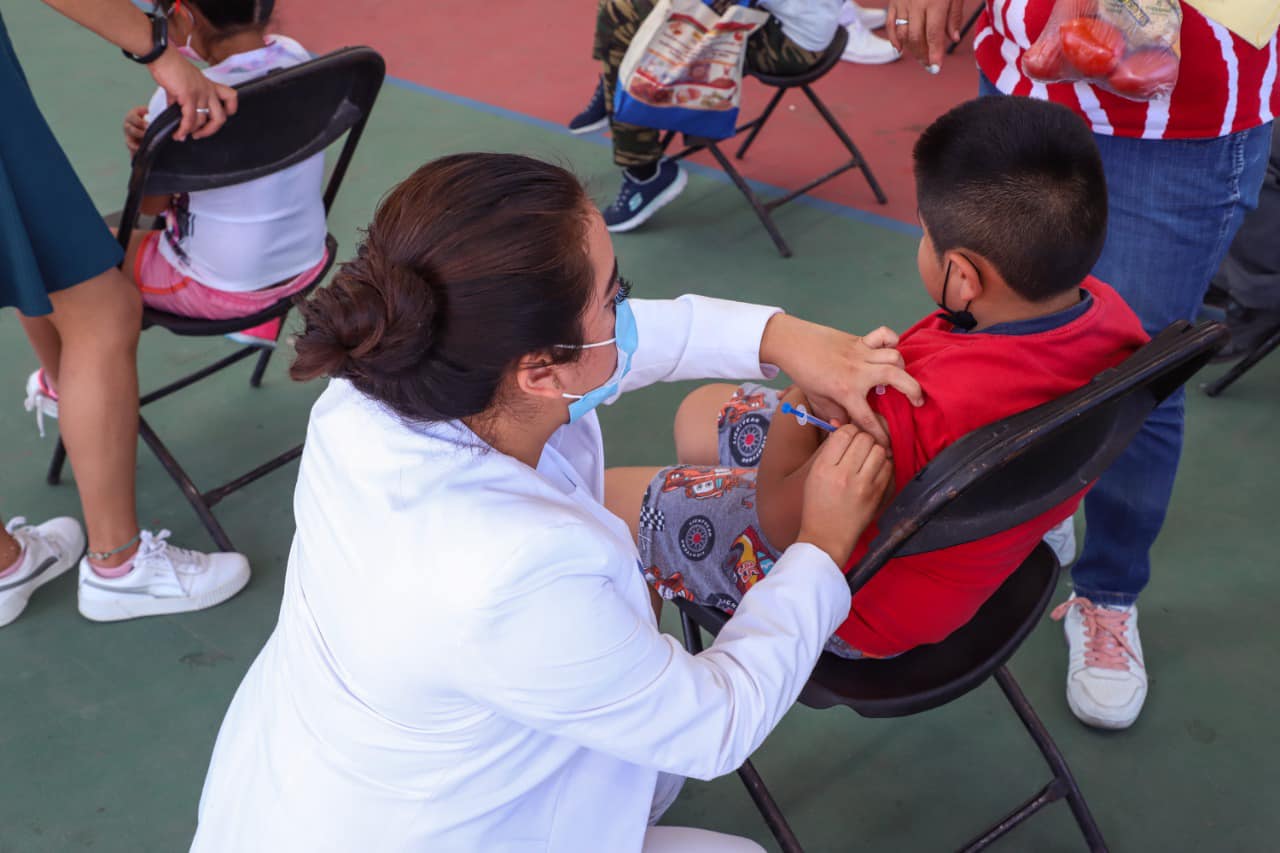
<point x="135" y="127"/>
<point x="847" y="482"/>
<point x="836" y="370"/>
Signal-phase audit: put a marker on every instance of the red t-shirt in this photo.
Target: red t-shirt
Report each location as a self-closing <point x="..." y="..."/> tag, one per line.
<point x="971" y="380"/>
<point x="1225" y="84"/>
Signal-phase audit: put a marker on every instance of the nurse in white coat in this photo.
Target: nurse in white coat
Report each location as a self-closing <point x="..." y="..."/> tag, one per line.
<point x="466" y="657"/>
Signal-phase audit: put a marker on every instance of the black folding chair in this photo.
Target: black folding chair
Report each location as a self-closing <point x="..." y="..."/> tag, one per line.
<point x="993" y="479"/>
<point x="803" y="82"/>
<point x="968" y="25"/>
<point x="283" y="118"/>
<point x="1260" y="350"/>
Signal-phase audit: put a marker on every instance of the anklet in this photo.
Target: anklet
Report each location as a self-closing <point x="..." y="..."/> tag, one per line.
<point x="99" y="556"/>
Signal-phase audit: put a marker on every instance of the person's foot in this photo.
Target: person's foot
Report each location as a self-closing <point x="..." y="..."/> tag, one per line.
<point x="1106" y="676"/>
<point x="48" y="550"/>
<point x="1248" y="327"/>
<point x="163" y="579"/>
<point x="595" y="116"/>
<point x="1062" y="539"/>
<point x="638" y="200"/>
<point x="263" y="336"/>
<point x="867" y="48"/>
<point x="872" y="19"/>
<point x="40" y="399"/>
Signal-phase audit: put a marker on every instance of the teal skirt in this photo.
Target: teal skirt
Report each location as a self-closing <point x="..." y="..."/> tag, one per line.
<point x="51" y="236"/>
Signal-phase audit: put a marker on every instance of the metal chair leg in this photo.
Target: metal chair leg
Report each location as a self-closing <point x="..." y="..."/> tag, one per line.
<point x="763" y="214"/>
<point x="968" y="25"/>
<point x="1064" y="784"/>
<point x="765" y="803"/>
<point x="189" y="490"/>
<point x="847" y="142"/>
<point x="54" y="477"/>
<point x="757" y="124"/>
<point x="260" y="368"/>
<point x="1245" y="364"/>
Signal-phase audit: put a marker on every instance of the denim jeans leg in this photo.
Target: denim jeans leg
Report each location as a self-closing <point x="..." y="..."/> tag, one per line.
<point x="1174" y="207"/>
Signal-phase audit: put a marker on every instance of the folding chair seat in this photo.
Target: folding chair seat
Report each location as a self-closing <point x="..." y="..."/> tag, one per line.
<point x="283" y="118"/>
<point x="782" y="84"/>
<point x="993" y="479"/>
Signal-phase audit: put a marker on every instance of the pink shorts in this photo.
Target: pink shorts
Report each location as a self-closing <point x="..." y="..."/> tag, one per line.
<point x="166" y="289"/>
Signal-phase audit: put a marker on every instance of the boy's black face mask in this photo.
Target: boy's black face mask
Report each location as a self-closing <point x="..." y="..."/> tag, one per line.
<point x="961" y="319"/>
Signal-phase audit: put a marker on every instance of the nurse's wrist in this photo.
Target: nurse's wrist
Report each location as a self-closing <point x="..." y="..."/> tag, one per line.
<point x="781" y="332"/>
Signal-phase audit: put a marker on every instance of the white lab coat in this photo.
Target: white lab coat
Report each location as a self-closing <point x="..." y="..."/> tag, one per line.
<point x="466" y="658"/>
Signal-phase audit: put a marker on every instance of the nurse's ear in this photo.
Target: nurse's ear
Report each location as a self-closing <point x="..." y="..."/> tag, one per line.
<point x="537" y="376"/>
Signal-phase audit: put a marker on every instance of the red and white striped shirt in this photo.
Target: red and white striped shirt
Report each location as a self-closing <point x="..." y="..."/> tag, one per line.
<point x="1225" y="84"/>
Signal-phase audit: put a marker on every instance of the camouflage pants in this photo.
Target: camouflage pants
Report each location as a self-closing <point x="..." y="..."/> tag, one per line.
<point x="616" y="23"/>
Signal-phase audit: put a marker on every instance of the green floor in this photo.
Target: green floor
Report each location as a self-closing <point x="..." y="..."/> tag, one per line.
<point x="105" y="730"/>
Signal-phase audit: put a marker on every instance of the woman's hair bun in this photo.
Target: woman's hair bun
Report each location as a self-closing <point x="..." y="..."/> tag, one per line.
<point x="376" y="319"/>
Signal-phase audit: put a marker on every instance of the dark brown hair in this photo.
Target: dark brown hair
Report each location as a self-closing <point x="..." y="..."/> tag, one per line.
<point x="1020" y="182"/>
<point x="473" y="262"/>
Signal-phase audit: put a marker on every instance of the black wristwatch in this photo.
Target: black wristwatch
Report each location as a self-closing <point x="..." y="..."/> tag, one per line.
<point x="159" y="36"/>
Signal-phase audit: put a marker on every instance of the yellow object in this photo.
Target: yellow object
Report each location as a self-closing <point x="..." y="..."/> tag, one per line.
<point x="1255" y="21"/>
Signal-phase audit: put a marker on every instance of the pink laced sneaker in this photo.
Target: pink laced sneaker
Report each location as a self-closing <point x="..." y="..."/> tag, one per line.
<point x="1106" y="675"/>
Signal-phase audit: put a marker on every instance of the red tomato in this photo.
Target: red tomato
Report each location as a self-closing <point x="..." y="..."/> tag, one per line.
<point x="1043" y="61"/>
<point x="1092" y="45"/>
<point x="1145" y="75"/>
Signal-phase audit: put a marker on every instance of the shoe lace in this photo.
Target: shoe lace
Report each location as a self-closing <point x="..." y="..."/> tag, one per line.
<point x="155" y="546"/>
<point x="32" y="404"/>
<point x="1106" y="643"/>
<point x="597" y="97"/>
<point x="14" y="524"/>
<point x="629" y="189"/>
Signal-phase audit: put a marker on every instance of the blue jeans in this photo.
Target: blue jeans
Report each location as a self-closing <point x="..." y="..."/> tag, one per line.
<point x="1174" y="207"/>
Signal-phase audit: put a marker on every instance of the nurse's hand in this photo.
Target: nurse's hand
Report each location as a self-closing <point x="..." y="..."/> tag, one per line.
<point x="848" y="482"/>
<point x="930" y="26"/>
<point x="205" y="104"/>
<point x="836" y="370"/>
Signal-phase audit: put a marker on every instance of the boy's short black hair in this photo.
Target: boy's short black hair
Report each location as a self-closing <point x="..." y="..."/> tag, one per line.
<point x="1019" y="182"/>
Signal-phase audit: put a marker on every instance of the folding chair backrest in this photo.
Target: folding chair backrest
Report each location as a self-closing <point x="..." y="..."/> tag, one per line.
<point x="283" y="118"/>
<point x="1016" y="469"/>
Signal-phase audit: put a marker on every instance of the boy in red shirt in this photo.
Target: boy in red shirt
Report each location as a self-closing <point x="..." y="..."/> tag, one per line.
<point x="1013" y="203"/>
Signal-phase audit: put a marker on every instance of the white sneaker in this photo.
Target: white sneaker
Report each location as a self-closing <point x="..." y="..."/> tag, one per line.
<point x="1106" y="676"/>
<point x="867" y="48"/>
<point x="1062" y="539"/>
<point x="39" y="401"/>
<point x="164" y="579"/>
<point x="872" y="19"/>
<point x="48" y="550"/>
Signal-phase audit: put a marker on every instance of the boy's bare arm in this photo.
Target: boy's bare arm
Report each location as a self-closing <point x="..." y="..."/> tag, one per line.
<point x="788" y="453"/>
<point x="784" y="467"/>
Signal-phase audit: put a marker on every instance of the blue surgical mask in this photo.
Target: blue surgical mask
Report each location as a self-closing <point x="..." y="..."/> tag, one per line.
<point x="625" y="339"/>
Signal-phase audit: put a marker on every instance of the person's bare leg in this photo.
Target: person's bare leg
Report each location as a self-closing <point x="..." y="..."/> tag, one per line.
<point x="98" y="322"/>
<point x="695" y="426"/>
<point x="623" y="493"/>
<point x="46" y="344"/>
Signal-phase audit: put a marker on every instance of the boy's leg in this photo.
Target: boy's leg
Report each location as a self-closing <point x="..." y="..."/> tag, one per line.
<point x="697" y="425"/>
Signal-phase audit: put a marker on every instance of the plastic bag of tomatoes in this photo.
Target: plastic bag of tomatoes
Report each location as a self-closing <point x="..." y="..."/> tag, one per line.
<point x="1130" y="47"/>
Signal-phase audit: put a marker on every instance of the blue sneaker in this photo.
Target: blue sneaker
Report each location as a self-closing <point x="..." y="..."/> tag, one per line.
<point x="639" y="200"/>
<point x="595" y="116"/>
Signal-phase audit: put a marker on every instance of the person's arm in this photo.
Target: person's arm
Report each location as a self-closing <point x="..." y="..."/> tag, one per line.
<point x="784" y="466"/>
<point x="697" y="337"/>
<point x="836" y="370"/>
<point x="566" y="654"/>
<point x="205" y="104"/>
